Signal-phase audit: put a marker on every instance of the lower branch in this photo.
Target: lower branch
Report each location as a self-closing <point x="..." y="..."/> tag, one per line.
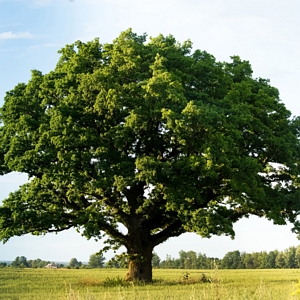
<point x="113" y="233"/>
<point x="174" y="229"/>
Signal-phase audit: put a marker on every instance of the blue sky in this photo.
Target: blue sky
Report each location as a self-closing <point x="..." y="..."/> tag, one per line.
<point x="265" y="32"/>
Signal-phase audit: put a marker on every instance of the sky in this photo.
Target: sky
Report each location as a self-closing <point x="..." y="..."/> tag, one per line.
<point x="265" y="32"/>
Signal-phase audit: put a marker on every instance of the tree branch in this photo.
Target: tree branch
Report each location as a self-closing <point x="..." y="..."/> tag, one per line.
<point x="174" y="229"/>
<point x="114" y="233"/>
<point x="109" y="200"/>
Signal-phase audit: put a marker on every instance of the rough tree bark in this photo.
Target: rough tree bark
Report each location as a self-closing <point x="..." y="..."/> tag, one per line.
<point x="139" y="249"/>
<point x="140" y="266"/>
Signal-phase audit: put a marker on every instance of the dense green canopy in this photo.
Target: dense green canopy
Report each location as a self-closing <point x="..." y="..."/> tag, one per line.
<point x="149" y="134"/>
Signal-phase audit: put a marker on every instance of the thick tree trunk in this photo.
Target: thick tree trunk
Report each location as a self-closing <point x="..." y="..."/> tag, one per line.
<point x="140" y="266"/>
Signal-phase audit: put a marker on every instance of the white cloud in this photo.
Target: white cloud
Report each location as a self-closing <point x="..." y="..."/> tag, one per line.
<point x="9" y="35"/>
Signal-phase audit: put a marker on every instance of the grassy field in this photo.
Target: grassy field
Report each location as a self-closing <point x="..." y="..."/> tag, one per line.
<point x="168" y="284"/>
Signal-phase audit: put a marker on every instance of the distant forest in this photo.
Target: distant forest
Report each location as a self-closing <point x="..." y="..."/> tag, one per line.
<point x="289" y="259"/>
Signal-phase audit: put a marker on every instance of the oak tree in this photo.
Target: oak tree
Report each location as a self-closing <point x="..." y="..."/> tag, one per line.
<point x="150" y="134"/>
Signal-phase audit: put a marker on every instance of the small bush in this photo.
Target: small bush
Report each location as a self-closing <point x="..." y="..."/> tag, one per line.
<point x="115" y="281"/>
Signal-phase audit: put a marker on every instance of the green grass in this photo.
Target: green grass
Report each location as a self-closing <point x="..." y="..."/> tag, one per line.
<point x="168" y="284"/>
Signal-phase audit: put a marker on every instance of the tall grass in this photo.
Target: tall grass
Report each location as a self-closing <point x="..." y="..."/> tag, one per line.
<point x="167" y="284"/>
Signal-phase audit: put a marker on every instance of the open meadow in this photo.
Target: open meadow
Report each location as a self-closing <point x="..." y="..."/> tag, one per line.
<point x="168" y="284"/>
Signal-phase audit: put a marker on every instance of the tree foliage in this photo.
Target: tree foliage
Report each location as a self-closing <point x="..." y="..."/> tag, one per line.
<point x="288" y="259"/>
<point x="118" y="261"/>
<point x="152" y="135"/>
<point x="155" y="260"/>
<point x="189" y="260"/>
<point x="23" y="262"/>
<point x="96" y="261"/>
<point x="74" y="263"/>
<point x="20" y="262"/>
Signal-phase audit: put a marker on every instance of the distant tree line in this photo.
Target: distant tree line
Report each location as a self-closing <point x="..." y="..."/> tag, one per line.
<point x="289" y="259"/>
<point x="23" y="262"/>
<point x="186" y="260"/>
<point x="95" y="261"/>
